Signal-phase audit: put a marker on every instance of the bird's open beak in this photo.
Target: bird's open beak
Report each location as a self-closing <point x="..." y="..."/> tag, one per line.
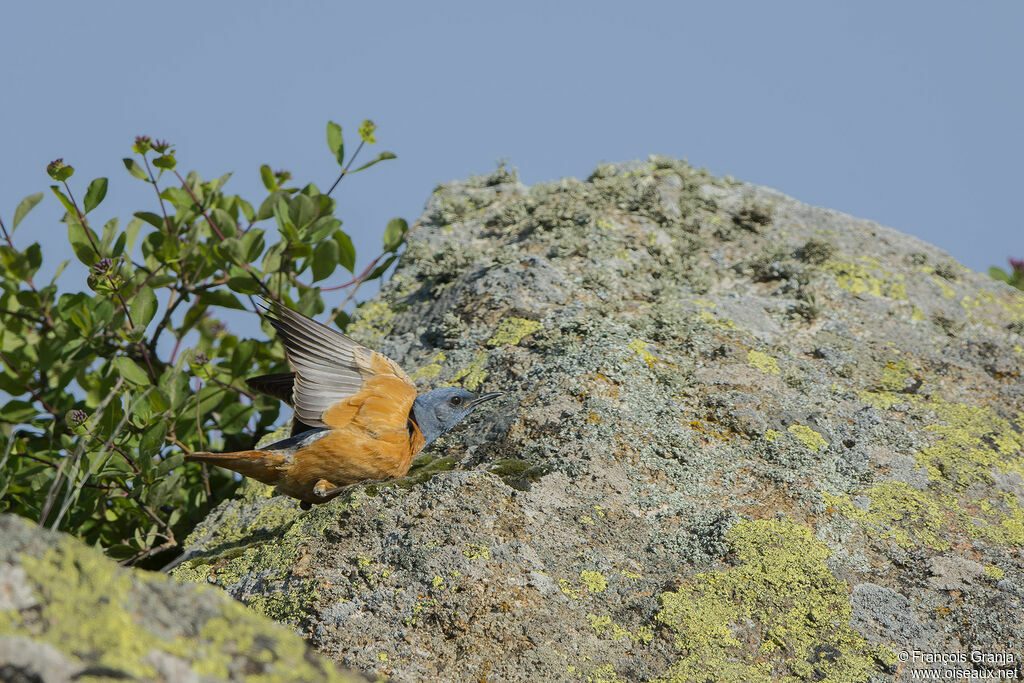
<point x="483" y="398"/>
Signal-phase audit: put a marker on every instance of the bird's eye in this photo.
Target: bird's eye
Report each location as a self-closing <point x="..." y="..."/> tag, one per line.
<point x="456" y="400"/>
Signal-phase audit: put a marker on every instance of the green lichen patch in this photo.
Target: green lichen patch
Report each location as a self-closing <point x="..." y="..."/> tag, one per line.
<point x="968" y="444"/>
<point x="808" y="437"/>
<point x="89" y="608"/>
<point x="266" y="544"/>
<point x="866" y="277"/>
<point x="763" y="362"/>
<point x="431" y="369"/>
<point x="780" y="614"/>
<point x="474" y="374"/>
<point x="373" y="321"/>
<point x="512" y="330"/>
<point x="901" y="513"/>
<point x="594" y="581"/>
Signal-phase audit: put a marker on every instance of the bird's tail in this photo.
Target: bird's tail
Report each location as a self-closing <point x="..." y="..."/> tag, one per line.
<point x="264" y="466"/>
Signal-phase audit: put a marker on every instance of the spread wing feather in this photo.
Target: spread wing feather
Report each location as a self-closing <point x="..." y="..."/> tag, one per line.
<point x="329" y="366"/>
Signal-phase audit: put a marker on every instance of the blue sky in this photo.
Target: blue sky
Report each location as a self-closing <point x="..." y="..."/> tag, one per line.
<point x="907" y="113"/>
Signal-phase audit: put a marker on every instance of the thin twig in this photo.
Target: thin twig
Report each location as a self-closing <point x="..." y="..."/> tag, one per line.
<point x="344" y="171"/>
<point x="156" y="188"/>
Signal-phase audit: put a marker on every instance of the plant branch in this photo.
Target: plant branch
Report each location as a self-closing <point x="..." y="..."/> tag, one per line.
<point x="156" y="188"/>
<point x="344" y="171"/>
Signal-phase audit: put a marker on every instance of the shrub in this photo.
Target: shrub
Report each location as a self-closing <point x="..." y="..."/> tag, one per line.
<point x="113" y="379"/>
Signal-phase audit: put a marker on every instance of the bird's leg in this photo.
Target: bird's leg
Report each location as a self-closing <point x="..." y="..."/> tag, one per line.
<point x="325" y="490"/>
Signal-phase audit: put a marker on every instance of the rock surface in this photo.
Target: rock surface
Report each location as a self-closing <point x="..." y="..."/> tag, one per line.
<point x="68" y="613"/>
<point x="744" y="439"/>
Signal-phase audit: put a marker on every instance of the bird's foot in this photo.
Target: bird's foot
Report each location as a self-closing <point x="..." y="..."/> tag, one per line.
<point x="325" y="490"/>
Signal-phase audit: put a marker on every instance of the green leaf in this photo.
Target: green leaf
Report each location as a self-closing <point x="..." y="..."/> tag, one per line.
<point x="383" y="156"/>
<point x="109" y="230"/>
<point x="59" y="171"/>
<point x="68" y="206"/>
<point x="134" y="168"/>
<point x="272" y="259"/>
<point x="322" y="227"/>
<point x="247" y="210"/>
<point x="243" y="284"/>
<point x="347" y="252"/>
<point x="166" y="161"/>
<point x="325" y="259"/>
<point x="267" y="176"/>
<point x="132" y="373"/>
<point x="26" y="205"/>
<point x="131" y="232"/>
<point x="152" y="440"/>
<point x="379" y="270"/>
<point x="335" y="142"/>
<point x="143" y="307"/>
<point x="78" y="235"/>
<point x="95" y="194"/>
<point x="302" y="211"/>
<point x="224" y="222"/>
<point x="16" y="412"/>
<point x="253" y="244"/>
<point x="151" y="218"/>
<point x="221" y="297"/>
<point x="394" y="234"/>
<point x="999" y="274"/>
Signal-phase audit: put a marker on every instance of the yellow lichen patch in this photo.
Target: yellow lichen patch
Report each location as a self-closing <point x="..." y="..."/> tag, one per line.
<point x="866" y="279"/>
<point x="710" y="320"/>
<point x="604" y="626"/>
<point x="808" y="437"/>
<point x="475" y="551"/>
<point x="639" y="347"/>
<point x="970" y="440"/>
<point x="994" y="571"/>
<point x="512" y="330"/>
<point x="883" y="400"/>
<point x="896" y="375"/>
<point x="473" y="375"/>
<point x="80" y="593"/>
<point x="947" y="291"/>
<point x="573" y="592"/>
<point x="437" y="582"/>
<point x="784" y="603"/>
<point x="900" y="513"/>
<point x="763" y="362"/>
<point x="917" y="315"/>
<point x="374" y="321"/>
<point x="770" y="435"/>
<point x="594" y="581"/>
<point x="432" y="369"/>
<point x="90" y="608"/>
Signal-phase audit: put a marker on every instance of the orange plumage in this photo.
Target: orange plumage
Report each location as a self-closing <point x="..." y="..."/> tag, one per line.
<point x="357" y="415"/>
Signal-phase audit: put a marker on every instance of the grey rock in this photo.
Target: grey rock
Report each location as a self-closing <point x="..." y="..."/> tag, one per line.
<point x="69" y="613"/>
<point x="723" y="408"/>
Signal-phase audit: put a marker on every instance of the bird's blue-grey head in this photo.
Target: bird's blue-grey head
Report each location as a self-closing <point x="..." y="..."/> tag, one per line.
<point x="437" y="411"/>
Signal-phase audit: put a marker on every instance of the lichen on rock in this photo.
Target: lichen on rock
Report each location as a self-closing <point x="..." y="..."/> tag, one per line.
<point x="741" y="435"/>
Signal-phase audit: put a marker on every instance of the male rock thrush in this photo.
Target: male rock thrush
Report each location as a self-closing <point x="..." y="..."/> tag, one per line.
<point x="357" y="415"/>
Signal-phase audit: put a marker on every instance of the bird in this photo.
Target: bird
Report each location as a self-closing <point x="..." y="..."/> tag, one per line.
<point x="357" y="415"/>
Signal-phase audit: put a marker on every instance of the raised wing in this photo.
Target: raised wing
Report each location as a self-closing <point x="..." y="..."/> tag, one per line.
<point x="330" y="367"/>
